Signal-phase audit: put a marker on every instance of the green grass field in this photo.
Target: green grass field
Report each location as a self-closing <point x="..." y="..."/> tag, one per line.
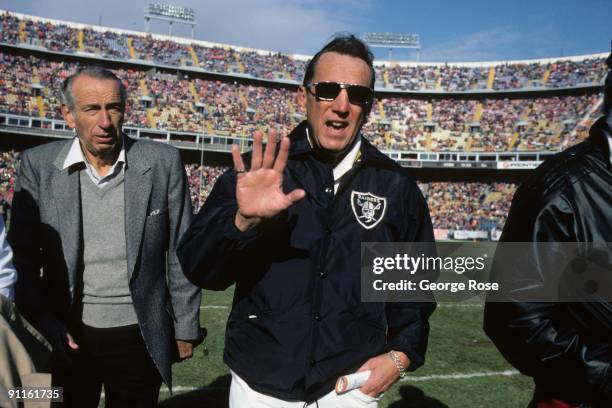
<point x="457" y="347"/>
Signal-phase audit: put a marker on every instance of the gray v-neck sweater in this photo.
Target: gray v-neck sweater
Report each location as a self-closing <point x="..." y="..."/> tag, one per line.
<point x="107" y="301"/>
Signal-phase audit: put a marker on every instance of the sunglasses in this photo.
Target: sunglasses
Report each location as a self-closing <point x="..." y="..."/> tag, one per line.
<point x="328" y="91"/>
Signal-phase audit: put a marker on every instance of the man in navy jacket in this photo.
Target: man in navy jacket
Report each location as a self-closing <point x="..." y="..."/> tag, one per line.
<point x="287" y="230"/>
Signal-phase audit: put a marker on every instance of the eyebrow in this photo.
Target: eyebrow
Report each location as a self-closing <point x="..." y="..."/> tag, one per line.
<point x="110" y="104"/>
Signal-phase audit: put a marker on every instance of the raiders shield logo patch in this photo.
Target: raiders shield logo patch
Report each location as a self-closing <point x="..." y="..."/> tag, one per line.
<point x="368" y="208"/>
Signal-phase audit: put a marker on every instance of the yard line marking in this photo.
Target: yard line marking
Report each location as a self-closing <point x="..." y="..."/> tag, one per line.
<point x="461" y="305"/>
<point x="180" y="388"/>
<point x="444" y="305"/>
<point x="456" y="376"/>
<point x="460" y="376"/>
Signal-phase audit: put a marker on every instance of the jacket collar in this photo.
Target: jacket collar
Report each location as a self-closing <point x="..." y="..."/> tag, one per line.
<point x="300" y="146"/>
<point x="599" y="138"/>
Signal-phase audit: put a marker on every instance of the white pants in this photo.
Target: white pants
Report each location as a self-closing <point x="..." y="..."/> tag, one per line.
<point x="243" y="396"/>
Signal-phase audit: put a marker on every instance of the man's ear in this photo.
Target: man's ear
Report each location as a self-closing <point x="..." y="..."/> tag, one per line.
<point x="301" y="97"/>
<point x="68" y="116"/>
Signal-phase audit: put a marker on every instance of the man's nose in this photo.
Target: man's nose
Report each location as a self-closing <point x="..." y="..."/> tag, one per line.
<point x="104" y="120"/>
<point x="341" y="104"/>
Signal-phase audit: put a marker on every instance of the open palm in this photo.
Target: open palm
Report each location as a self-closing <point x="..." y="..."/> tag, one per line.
<point x="259" y="191"/>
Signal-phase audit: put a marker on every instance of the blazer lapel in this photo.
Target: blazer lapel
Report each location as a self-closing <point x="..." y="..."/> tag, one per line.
<point x="65" y="187"/>
<point x="137" y="193"/>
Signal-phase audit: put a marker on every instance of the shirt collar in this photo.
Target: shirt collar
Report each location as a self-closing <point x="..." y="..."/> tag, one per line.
<point x="347" y="162"/>
<point x="75" y="155"/>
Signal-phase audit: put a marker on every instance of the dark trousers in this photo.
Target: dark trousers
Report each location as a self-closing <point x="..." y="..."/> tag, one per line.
<point x="116" y="358"/>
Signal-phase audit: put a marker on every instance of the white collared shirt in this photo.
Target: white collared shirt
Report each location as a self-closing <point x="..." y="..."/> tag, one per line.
<point x="346" y="164"/>
<point x="8" y="275"/>
<point x="75" y="155"/>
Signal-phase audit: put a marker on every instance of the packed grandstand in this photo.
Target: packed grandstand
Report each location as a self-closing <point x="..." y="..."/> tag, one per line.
<point x="204" y="97"/>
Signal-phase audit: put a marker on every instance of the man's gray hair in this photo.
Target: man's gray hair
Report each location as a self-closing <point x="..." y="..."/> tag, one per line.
<point x="93" y="72"/>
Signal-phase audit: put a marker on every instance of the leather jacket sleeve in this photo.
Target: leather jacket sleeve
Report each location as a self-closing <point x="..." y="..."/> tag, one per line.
<point x="546" y="340"/>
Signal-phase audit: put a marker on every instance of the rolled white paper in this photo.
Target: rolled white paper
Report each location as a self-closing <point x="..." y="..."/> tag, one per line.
<point x="349" y="382"/>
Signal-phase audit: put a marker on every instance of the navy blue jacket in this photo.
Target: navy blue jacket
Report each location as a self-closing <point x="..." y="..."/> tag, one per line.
<point x="297" y="321"/>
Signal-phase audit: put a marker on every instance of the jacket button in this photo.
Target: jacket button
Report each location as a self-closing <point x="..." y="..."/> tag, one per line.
<point x="328" y="190"/>
<point x="317" y="317"/>
<point x="322" y="274"/>
<point x="328" y="231"/>
<point x="312" y="363"/>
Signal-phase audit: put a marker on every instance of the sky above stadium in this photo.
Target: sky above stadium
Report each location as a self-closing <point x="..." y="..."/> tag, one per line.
<point x="450" y="30"/>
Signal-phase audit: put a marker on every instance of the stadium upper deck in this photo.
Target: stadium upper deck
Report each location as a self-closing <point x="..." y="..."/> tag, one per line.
<point x="494" y="115"/>
<point x="109" y="43"/>
<point x="166" y="102"/>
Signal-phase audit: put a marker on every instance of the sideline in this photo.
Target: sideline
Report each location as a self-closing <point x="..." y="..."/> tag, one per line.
<point x="441" y="305"/>
<point x="455" y="376"/>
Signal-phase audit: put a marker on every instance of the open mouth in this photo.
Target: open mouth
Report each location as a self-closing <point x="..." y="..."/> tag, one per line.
<point x="336" y="125"/>
<point x="104" y="138"/>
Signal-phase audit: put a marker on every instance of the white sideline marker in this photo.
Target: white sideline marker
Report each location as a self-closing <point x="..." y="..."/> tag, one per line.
<point x="456" y="376"/>
<point x="460" y="376"/>
<point x="443" y="305"/>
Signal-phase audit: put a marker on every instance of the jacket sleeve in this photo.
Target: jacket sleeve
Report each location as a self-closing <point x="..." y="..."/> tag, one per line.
<point x="540" y="339"/>
<point x="210" y="249"/>
<point x="408" y="322"/>
<point x="184" y="295"/>
<point x="24" y="237"/>
<point x="8" y="275"/>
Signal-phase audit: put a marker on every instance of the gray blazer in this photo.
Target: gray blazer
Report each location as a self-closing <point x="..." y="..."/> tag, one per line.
<point x="46" y="234"/>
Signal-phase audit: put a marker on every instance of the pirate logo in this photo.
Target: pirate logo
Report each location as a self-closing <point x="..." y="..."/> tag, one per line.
<point x="368" y="208"/>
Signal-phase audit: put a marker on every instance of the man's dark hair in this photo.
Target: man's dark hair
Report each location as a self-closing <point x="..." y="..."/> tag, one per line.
<point x="346" y="44"/>
<point x="94" y="71"/>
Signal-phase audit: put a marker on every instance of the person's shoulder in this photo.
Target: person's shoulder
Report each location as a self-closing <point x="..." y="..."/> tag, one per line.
<point x="47" y="152"/>
<point x="384" y="163"/>
<point x="389" y="172"/>
<point x="46" y="155"/>
<point x="378" y="159"/>
<point x="561" y="171"/>
<point x="151" y="152"/>
<point x="150" y="146"/>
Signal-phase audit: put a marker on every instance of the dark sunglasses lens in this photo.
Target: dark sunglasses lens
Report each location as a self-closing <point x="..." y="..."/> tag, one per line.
<point x="359" y="95"/>
<point x="327" y="91"/>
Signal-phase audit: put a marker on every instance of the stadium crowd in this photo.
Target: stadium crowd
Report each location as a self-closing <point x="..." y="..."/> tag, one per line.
<point x="468" y="206"/>
<point x="196" y="105"/>
<point x="453" y="206"/>
<point x="109" y="43"/>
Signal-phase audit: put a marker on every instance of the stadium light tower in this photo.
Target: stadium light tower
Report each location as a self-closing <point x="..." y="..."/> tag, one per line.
<point x="393" y="40"/>
<point x="171" y="14"/>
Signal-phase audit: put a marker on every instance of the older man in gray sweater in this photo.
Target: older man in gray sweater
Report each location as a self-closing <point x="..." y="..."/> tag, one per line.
<point x="94" y="229"/>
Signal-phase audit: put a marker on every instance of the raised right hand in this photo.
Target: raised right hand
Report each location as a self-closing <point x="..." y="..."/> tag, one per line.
<point x="259" y="191"/>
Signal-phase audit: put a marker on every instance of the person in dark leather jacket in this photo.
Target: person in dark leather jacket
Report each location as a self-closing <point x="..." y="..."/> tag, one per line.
<point x="565" y="346"/>
<point x="287" y="230"/>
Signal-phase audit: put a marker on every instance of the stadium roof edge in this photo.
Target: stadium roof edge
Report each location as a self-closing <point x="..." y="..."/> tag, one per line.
<point x="487" y="64"/>
<point x="303" y="57"/>
<point x="181" y="40"/>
